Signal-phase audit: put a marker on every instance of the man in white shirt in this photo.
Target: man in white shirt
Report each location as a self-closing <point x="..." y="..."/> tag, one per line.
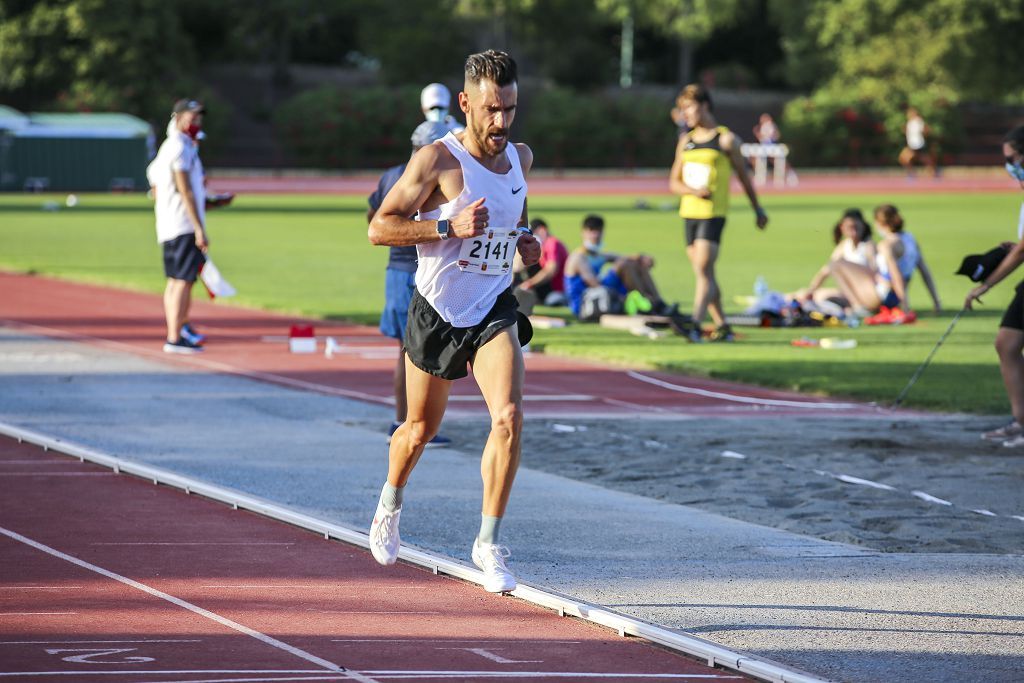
<point x="176" y="177"/>
<point x="468" y="192"/>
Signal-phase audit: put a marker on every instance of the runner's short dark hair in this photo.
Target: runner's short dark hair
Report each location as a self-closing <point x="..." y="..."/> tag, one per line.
<point x="537" y="222"/>
<point x="1015" y="138"/>
<point x="593" y="222"/>
<point x="493" y="66"/>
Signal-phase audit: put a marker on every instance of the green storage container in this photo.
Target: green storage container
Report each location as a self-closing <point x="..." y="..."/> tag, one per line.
<point x="75" y="152"/>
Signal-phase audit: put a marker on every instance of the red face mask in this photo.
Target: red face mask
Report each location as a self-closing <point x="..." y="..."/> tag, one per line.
<point x="193" y="130"/>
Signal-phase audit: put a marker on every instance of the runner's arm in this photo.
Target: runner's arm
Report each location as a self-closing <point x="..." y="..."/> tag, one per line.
<point x="392" y="226"/>
<point x="731" y="145"/>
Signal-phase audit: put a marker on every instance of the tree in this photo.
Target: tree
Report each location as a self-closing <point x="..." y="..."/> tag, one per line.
<point x="688" y="21"/>
<point x="92" y="54"/>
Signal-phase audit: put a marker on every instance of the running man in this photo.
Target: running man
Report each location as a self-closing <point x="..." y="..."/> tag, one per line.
<point x="468" y="192"/>
<point x="705" y="159"/>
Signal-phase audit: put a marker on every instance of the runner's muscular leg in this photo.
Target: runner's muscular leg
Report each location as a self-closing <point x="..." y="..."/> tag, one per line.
<point x="499" y="371"/>
<point x="427" y="398"/>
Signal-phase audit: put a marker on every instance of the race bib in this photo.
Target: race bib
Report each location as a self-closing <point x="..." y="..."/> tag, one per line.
<point x="697" y="176"/>
<point x="490" y="253"/>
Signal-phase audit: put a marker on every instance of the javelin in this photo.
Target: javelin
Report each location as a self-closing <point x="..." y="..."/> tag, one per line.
<point x="903" y="394"/>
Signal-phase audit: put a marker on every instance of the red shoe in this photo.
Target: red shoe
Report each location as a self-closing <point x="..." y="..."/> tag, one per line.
<point x="883" y="317"/>
<point x="901" y="318"/>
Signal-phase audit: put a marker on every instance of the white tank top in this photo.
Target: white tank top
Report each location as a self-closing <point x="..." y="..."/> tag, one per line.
<point x="463" y="299"/>
<point x="855" y="254"/>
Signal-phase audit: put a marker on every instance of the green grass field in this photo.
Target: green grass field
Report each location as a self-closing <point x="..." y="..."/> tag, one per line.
<point x="309" y="255"/>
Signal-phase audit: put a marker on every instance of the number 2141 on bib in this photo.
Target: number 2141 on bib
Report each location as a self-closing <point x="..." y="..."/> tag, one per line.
<point x="490" y="253"/>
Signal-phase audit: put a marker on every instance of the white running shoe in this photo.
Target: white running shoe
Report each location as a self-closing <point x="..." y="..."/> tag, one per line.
<point x="384" y="540"/>
<point x="1014" y="442"/>
<point x="490" y="558"/>
<point x="1003" y="433"/>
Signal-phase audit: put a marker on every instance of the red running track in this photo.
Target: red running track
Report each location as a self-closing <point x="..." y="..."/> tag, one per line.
<point x="109" y="578"/>
<point x="973" y="180"/>
<point x="253" y="343"/>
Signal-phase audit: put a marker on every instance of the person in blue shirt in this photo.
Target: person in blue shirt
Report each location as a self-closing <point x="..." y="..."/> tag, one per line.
<point x="400" y="275"/>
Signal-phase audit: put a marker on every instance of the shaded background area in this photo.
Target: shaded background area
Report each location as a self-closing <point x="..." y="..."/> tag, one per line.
<point x="329" y="85"/>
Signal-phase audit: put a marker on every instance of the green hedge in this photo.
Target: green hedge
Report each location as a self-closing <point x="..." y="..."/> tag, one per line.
<point x="370" y="128"/>
<point x="828" y="129"/>
<point x="358" y="128"/>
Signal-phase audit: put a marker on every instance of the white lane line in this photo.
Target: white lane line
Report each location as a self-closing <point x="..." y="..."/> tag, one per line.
<point x="33" y="462"/>
<point x="743" y="399"/>
<point x="55" y="474"/>
<point x="35" y="588"/>
<point x="467" y="398"/>
<point x="224" y="621"/>
<point x="34" y="614"/>
<point x="472" y="641"/>
<point x="399" y="674"/>
<point x="92" y="642"/>
<point x="164" y="672"/>
<point x="262" y="679"/>
<point x="202" y="543"/>
<point x="261" y="587"/>
<point x="395" y="675"/>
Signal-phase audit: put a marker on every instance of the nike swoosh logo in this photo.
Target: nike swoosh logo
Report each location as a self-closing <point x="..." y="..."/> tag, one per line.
<point x="516" y="190"/>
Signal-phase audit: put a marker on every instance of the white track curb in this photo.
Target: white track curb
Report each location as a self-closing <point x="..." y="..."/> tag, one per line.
<point x="714" y="655"/>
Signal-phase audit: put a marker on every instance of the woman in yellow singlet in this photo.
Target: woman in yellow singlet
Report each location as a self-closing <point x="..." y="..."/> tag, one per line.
<point x="706" y="156"/>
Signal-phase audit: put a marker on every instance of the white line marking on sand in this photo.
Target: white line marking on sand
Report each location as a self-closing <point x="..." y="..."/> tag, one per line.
<point x="224" y="621"/>
<point x="863" y="482"/>
<point x="930" y="498"/>
<point x="743" y="399"/>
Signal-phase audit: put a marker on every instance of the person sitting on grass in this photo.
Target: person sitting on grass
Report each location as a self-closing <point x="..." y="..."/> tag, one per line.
<point x="883" y="289"/>
<point x="543" y="282"/>
<point x="853" y="244"/>
<point x="589" y="267"/>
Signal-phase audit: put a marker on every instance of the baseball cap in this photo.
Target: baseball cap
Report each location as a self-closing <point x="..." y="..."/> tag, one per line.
<point x="979" y="266"/>
<point x="435" y="95"/>
<point x="187" y="104"/>
<point x="428" y="132"/>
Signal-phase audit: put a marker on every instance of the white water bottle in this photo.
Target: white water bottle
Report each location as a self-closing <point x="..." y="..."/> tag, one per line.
<point x="760" y="286"/>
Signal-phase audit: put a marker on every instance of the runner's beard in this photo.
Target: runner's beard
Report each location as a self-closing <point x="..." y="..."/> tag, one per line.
<point x="490" y="144"/>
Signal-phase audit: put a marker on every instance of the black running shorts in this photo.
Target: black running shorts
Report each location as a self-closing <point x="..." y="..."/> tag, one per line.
<point x="709" y="229"/>
<point x="442" y="350"/>
<point x="182" y="258"/>
<point x="1014" y="316"/>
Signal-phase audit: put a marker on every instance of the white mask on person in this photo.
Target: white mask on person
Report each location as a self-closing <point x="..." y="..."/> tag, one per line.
<point x="436" y="114"/>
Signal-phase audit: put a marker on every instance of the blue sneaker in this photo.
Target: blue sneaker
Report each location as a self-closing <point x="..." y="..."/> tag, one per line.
<point x="189" y="334"/>
<point x="437" y="442"/>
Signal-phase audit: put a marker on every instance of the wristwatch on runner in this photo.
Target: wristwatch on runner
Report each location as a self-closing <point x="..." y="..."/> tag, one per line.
<point x="444" y="228"/>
